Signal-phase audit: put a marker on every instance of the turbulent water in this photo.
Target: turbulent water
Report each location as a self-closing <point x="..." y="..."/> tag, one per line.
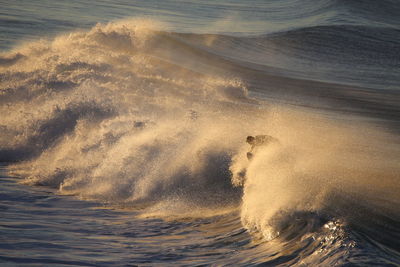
<point x="123" y="128"/>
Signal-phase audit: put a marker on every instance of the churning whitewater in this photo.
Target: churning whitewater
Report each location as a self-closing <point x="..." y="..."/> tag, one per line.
<point x="151" y="124"/>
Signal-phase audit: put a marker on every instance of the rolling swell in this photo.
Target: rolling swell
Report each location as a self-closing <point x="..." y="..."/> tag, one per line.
<point x="316" y="53"/>
<point x="134" y="117"/>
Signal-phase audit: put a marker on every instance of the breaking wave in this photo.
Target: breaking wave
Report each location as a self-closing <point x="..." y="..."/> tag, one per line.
<point x="132" y="116"/>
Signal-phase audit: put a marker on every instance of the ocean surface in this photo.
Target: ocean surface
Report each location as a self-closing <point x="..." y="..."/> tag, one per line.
<point x="123" y="130"/>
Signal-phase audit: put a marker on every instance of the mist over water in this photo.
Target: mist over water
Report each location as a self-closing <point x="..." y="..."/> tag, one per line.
<point x="150" y="119"/>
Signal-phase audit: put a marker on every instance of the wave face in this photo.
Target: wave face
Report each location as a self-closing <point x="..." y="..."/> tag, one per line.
<point x="135" y="116"/>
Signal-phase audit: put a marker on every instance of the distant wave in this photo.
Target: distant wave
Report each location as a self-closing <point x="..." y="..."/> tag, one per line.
<point x="355" y="55"/>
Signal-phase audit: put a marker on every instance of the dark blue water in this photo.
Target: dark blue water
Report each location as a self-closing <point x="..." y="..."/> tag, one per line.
<point x="39" y="227"/>
<point x="123" y="128"/>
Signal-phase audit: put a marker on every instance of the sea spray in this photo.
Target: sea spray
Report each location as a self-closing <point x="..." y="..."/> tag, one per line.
<point x="317" y="163"/>
<point x="98" y="115"/>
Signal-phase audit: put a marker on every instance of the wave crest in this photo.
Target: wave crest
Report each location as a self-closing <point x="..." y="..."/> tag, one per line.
<point x="100" y="115"/>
